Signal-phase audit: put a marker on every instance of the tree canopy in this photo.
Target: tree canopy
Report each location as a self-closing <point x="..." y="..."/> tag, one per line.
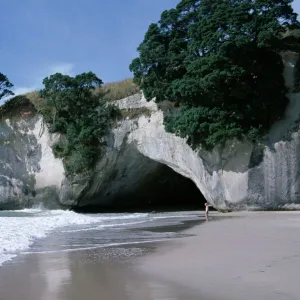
<point x="5" y="87"/>
<point x="220" y="60"/>
<point x="78" y="114"/>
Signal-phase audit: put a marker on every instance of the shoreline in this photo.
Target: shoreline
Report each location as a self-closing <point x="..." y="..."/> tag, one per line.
<point x="96" y="273"/>
<point x="236" y="256"/>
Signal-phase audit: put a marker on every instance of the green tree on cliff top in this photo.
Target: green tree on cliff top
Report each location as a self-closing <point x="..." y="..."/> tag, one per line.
<point x="78" y="114"/>
<point x="5" y="87"/>
<point x="219" y="59"/>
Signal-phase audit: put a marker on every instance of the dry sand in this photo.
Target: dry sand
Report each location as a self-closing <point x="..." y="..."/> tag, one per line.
<point x="249" y="256"/>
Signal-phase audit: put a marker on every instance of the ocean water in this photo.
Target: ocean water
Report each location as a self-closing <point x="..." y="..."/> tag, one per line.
<point x="37" y="230"/>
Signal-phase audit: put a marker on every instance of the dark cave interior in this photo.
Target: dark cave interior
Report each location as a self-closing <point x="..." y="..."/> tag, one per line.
<point x="162" y="190"/>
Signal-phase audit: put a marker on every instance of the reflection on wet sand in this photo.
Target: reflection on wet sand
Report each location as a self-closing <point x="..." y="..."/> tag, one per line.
<point x="58" y="273"/>
<point x="93" y="277"/>
<point x="81" y="275"/>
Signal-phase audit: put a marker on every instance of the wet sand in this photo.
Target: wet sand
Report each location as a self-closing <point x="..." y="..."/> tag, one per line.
<point x="87" y="274"/>
<point x="108" y="273"/>
<point x="238" y="256"/>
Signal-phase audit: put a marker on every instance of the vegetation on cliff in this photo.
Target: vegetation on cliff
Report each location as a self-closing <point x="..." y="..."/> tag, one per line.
<point x="118" y="90"/>
<point x="11" y="106"/>
<point x="16" y="106"/>
<point x="5" y="86"/>
<point x="220" y="62"/>
<point x="77" y="109"/>
<point x="72" y="109"/>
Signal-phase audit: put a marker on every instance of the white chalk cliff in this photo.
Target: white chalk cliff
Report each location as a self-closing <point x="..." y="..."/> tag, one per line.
<point x="237" y="176"/>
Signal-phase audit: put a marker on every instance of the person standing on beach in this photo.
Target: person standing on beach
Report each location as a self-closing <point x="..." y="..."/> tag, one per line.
<point x="206" y="210"/>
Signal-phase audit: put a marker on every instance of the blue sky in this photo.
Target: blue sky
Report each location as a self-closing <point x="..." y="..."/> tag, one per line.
<point x="41" y="37"/>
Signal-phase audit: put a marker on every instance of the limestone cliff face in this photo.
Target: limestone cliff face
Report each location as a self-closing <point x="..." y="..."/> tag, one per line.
<point x="237" y="176"/>
<point x="29" y="173"/>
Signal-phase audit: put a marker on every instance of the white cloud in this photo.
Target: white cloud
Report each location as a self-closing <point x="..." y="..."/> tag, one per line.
<point x="23" y="90"/>
<point x="63" y="68"/>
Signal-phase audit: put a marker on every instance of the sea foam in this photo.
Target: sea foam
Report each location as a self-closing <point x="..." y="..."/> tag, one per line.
<point x="19" y="229"/>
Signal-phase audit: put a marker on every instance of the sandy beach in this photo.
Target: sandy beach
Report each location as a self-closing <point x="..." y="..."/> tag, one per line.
<point x="240" y="256"/>
<point x="233" y="256"/>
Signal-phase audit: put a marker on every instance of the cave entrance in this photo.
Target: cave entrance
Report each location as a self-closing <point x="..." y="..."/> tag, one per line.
<point x="159" y="189"/>
<point x="166" y="190"/>
<point x="139" y="183"/>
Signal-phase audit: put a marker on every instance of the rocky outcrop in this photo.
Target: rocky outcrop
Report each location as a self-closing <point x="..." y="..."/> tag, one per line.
<point x="124" y="176"/>
<point x="236" y="176"/>
<point x="29" y="173"/>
